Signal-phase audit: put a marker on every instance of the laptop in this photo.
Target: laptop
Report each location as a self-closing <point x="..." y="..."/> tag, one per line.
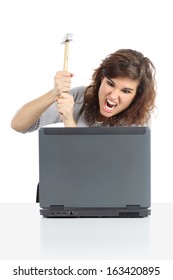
<point x="94" y="172"/>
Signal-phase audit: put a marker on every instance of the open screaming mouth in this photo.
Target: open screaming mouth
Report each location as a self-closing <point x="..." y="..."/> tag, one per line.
<point x="109" y="105"/>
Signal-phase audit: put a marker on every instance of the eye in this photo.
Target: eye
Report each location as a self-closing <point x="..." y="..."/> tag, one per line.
<point x="126" y="91"/>
<point x="110" y="83"/>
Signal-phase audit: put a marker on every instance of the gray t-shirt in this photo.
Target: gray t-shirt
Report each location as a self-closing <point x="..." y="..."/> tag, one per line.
<point x="52" y="116"/>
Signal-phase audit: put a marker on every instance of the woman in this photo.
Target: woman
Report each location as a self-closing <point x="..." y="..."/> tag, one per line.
<point x="122" y="93"/>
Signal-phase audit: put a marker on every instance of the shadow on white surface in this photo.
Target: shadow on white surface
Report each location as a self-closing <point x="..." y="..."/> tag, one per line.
<point x="95" y="238"/>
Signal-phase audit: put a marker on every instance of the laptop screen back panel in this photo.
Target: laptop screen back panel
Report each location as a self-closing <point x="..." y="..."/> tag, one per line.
<point x="94" y="167"/>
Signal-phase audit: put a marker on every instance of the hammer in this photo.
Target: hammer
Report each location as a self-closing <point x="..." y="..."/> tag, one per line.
<point x="68" y="37"/>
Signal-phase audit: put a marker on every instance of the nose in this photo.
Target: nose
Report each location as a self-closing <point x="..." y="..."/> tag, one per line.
<point x="115" y="94"/>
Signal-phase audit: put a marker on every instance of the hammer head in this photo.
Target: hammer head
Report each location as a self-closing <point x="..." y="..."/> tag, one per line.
<point x="67" y="38"/>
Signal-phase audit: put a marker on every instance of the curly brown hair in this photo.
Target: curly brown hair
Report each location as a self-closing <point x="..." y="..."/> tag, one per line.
<point x="130" y="64"/>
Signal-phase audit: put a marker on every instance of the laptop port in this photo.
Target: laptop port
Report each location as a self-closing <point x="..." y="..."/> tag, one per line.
<point x="71" y="213"/>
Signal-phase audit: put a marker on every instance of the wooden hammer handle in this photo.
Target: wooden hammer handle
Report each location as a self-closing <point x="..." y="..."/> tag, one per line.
<point x="66" y="56"/>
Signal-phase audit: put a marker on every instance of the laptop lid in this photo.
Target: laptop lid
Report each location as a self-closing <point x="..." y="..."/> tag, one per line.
<point x="94" y="171"/>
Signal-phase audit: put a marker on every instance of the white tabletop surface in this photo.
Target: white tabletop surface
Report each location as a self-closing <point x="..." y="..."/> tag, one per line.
<point x="24" y="234"/>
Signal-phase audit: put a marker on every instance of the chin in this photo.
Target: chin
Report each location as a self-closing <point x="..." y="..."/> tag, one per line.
<point x="108" y="115"/>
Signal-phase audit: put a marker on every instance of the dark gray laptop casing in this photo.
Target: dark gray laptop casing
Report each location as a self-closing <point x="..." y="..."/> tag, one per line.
<point x="94" y="172"/>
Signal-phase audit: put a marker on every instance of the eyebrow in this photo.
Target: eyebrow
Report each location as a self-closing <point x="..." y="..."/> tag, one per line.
<point x="114" y="84"/>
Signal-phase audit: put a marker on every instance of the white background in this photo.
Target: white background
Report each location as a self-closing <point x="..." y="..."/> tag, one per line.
<point x="30" y="54"/>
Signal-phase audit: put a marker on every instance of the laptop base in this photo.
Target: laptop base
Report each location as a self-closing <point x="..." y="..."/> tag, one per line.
<point x="84" y="212"/>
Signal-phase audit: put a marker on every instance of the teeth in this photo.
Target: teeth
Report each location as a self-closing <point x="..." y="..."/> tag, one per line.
<point x="112" y="103"/>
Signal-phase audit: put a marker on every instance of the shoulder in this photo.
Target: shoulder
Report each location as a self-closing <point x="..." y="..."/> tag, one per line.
<point x="78" y="93"/>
